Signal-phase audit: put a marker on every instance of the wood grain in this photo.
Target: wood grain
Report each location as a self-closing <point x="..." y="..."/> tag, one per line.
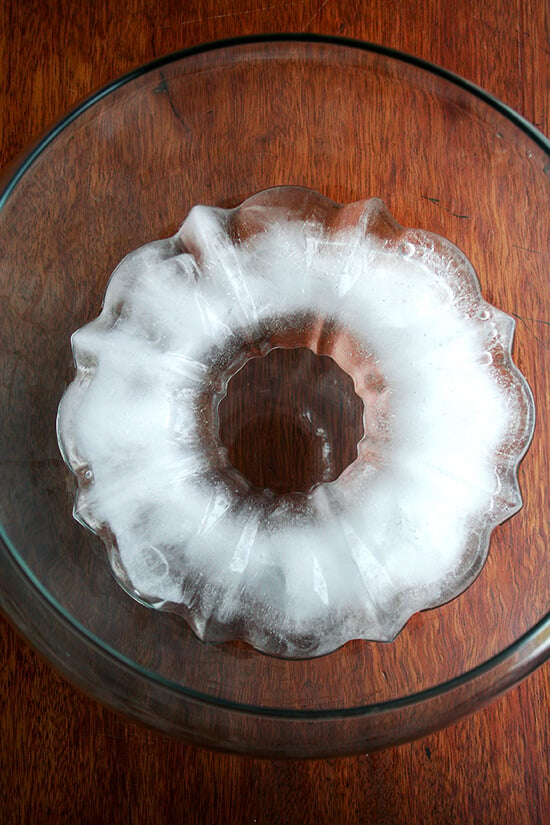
<point x="66" y="759"/>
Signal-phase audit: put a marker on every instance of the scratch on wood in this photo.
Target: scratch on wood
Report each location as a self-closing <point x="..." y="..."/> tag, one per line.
<point x="521" y="77"/>
<point x="526" y="249"/>
<point x="152" y="27"/>
<point x="438" y="203"/>
<point x="226" y="14"/>
<point x="525" y="323"/>
<point x="163" y="88"/>
<point x="317" y="13"/>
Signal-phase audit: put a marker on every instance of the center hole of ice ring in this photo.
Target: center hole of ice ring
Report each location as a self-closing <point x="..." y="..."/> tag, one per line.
<point x="291" y="420"/>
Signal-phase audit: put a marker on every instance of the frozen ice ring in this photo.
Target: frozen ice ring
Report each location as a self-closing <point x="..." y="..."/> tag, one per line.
<point x="406" y="526"/>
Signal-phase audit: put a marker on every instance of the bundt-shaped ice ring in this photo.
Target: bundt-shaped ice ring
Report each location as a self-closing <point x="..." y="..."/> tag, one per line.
<point x="447" y="418"/>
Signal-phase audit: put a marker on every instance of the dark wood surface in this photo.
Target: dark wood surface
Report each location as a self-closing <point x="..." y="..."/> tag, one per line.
<point x="66" y="759"/>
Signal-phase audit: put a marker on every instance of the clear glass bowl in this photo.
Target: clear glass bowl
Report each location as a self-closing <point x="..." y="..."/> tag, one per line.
<point x="214" y="125"/>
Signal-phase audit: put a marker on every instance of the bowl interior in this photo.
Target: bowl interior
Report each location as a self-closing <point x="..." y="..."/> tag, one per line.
<point x="215" y="127"/>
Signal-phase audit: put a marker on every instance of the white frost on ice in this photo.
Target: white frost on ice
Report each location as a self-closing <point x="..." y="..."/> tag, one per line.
<point x="381" y="544"/>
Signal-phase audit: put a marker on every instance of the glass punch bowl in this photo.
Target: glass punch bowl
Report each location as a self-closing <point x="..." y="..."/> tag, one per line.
<point x="286" y="407"/>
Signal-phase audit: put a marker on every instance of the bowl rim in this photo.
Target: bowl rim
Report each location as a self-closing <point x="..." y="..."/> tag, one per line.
<point x="22" y="162"/>
<point x="535" y="643"/>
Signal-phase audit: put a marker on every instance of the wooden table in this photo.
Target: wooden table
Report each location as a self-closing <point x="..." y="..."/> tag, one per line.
<point x="65" y="758"/>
